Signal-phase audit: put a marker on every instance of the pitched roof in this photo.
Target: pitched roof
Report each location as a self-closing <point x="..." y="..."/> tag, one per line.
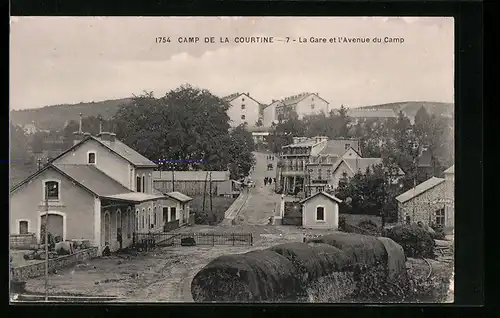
<point x="450" y="170"/>
<point x="118" y="148"/>
<point x="292" y="100"/>
<point x="179" y="196"/>
<point x="419" y="189"/>
<point x="93" y="179"/>
<point x="86" y="176"/>
<point x="127" y="153"/>
<point x="191" y="175"/>
<point x="351" y="149"/>
<point x="361" y="164"/>
<point x="230" y="98"/>
<point x="135" y="197"/>
<point x="329" y="196"/>
<point x="335" y="147"/>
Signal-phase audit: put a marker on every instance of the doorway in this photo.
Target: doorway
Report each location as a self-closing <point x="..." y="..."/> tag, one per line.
<point x="55" y="225"/>
<point x="173" y="214"/>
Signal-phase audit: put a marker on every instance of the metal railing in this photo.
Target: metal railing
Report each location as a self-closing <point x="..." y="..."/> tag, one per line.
<point x="150" y="240"/>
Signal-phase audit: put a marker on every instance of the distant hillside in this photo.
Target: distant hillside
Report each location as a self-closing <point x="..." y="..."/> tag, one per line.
<point x="54" y="117"/>
<point x="411" y="108"/>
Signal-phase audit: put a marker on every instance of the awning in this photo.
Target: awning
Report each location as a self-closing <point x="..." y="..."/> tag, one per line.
<point x="136" y="197"/>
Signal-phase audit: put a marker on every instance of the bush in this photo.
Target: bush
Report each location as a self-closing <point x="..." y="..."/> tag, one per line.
<point x="415" y="241"/>
<point x="369" y="226"/>
<point x="342" y="222"/>
<point x="438" y="232"/>
<point x="188" y="241"/>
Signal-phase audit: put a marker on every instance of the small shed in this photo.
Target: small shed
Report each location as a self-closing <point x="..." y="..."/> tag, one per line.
<point x="320" y="211"/>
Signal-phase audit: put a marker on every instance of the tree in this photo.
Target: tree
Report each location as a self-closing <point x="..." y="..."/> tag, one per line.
<point x="240" y="151"/>
<point x="188" y="128"/>
<point x="285" y="131"/>
<point x="18" y="146"/>
<point x="259" y="123"/>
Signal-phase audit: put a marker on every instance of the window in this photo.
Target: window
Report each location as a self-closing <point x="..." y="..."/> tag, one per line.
<point x="243" y="117"/>
<point x="173" y="215"/>
<point x="137" y="220"/>
<point x="165" y="215"/>
<point x="319" y="174"/>
<point x="23" y="227"/>
<point x="154" y="216"/>
<point x="440" y="217"/>
<point x="138" y="184"/>
<point x="129" y="223"/>
<point x="150" y="218"/>
<point x="328" y="173"/>
<point x="242" y="106"/>
<point x="243" y="99"/>
<point x="143" y="218"/>
<point x="320" y="212"/>
<point x="143" y="184"/>
<point x="91" y="157"/>
<point x="52" y="190"/>
<point x="408" y="219"/>
<point x="312" y="106"/>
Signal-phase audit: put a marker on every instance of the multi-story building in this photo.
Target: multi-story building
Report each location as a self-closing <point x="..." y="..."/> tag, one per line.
<point x="291" y="171"/>
<point x="303" y="104"/>
<point x="243" y="109"/>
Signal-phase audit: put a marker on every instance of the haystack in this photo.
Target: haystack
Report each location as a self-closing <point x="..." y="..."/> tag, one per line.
<point x="362" y="249"/>
<point x="396" y="259"/>
<point x="258" y="276"/>
<point x="313" y="262"/>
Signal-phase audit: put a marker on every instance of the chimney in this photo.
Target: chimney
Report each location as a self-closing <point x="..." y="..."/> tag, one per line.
<point x="107" y="137"/>
<point x="78" y="134"/>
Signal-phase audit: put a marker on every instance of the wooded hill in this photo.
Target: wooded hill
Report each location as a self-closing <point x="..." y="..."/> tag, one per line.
<point x="411" y="108"/>
<point x="55" y="117"/>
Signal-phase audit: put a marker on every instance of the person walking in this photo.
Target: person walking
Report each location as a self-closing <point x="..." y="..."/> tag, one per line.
<point x="265" y="181"/>
<point x="270" y="181"/>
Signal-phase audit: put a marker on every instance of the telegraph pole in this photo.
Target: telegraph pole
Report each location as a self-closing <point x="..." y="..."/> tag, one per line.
<point x="46" y="243"/>
<point x="210" y="183"/>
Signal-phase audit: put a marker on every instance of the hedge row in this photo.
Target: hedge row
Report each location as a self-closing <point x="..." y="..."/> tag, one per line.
<point x="296" y="271"/>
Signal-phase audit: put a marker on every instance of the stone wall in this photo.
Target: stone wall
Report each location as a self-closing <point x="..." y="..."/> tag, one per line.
<point x="424" y="208"/>
<point x="23" y="241"/>
<point x="22" y="273"/>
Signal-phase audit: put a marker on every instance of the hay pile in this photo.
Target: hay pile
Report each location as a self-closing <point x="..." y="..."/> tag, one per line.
<point x="313" y="262"/>
<point x="257" y="276"/>
<point x="362" y="249"/>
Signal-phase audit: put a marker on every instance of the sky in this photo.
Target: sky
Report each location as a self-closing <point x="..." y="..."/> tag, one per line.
<point x="59" y="60"/>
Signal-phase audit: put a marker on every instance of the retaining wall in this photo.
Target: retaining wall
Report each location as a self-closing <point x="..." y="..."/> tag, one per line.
<point x="25" y="272"/>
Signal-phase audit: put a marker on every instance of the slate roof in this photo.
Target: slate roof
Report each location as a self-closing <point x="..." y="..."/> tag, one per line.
<point x="329" y="196"/>
<point x="450" y="169"/>
<point x="135" y="196"/>
<point x="334" y="147"/>
<point x="361" y="163"/>
<point x="179" y="196"/>
<point x="292" y="100"/>
<point x="191" y="175"/>
<point x="118" y="148"/>
<point x="93" y="179"/>
<point x="127" y="153"/>
<point x="419" y="189"/>
<point x="233" y="96"/>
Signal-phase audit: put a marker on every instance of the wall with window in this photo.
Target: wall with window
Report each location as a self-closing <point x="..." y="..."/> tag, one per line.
<point x="105" y="160"/>
<point x="144" y="180"/>
<point x="320" y="212"/>
<point x="311" y="105"/>
<point x="243" y="109"/>
<point x="423" y="208"/>
<point x="74" y="202"/>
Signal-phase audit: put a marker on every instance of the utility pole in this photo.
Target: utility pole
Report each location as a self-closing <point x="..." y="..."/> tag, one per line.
<point x="46" y="243"/>
<point x="211" y="209"/>
<point x="173" y="180"/>
<point x="204" y="191"/>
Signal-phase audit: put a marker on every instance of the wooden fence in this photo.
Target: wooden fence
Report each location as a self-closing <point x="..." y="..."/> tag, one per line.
<point x="149" y="240"/>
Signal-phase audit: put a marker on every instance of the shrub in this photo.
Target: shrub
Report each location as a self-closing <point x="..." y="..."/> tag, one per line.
<point x="369" y="226"/>
<point x="415" y="241"/>
<point x="342" y="222"/>
<point x="188" y="241"/>
<point x="438" y="232"/>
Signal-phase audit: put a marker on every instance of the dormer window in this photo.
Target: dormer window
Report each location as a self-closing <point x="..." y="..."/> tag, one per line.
<point x="91" y="158"/>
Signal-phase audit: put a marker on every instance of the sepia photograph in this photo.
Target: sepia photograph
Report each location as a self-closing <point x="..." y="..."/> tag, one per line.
<point x="232" y="160"/>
